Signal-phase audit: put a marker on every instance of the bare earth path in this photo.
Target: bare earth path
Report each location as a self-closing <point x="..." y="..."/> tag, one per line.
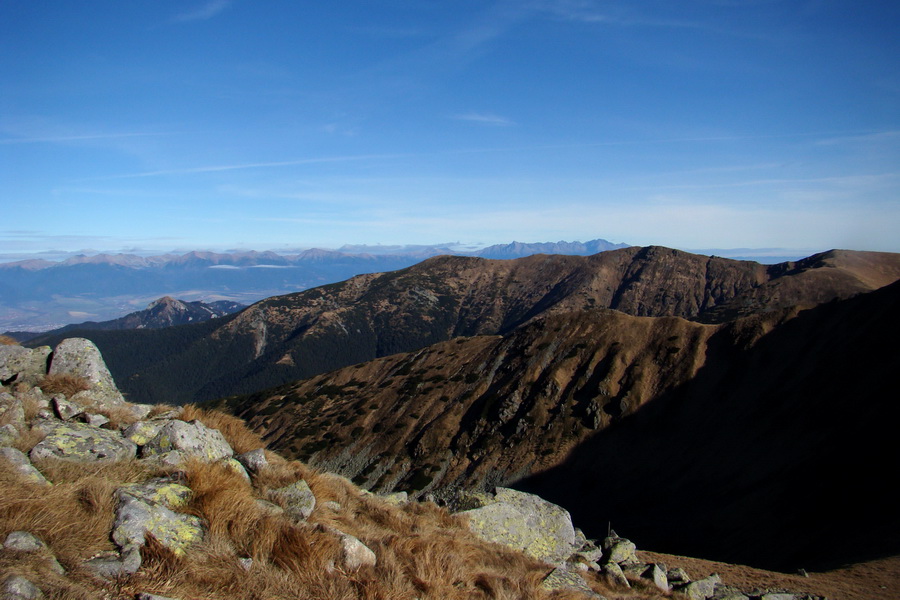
<point x="873" y="580"/>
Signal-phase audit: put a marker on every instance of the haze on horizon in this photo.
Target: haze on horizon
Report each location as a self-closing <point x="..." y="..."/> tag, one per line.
<point x="229" y="124"/>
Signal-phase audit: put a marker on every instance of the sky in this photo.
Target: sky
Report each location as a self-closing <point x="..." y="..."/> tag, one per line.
<point x="273" y="124"/>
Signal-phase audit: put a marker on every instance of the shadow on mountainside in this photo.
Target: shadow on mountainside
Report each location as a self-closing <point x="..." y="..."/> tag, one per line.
<point x="782" y="458"/>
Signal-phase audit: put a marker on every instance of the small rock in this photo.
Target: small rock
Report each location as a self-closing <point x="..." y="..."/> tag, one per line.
<point x="246" y="563"/>
<point x="615" y="576"/>
<point x="396" y="498"/>
<point x="137" y="514"/>
<point x="619" y="550"/>
<point x="355" y="554"/>
<point x="64" y="409"/>
<point x="112" y="565"/>
<point x="564" y="579"/>
<point x="254" y="461"/>
<point x="141" y="432"/>
<point x="23" y="466"/>
<point x="18" y="588"/>
<point x="237" y="468"/>
<point x="678" y="576"/>
<point x="702" y="588"/>
<point x="23" y="542"/>
<point x="299" y="500"/>
<point x="658" y="575"/>
<point x="146" y="596"/>
<point x="94" y="420"/>
<point x="8" y="435"/>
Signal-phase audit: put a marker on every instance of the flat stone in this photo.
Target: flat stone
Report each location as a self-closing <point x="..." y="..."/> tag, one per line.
<point x="141" y="432"/>
<point x="23" y="542"/>
<point x="81" y="442"/>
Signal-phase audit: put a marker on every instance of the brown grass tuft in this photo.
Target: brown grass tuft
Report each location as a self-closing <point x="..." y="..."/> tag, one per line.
<point x="64" y="383"/>
<point x="234" y="429"/>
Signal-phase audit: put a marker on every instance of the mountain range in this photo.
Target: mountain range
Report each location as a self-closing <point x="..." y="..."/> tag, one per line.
<point x="39" y="295"/>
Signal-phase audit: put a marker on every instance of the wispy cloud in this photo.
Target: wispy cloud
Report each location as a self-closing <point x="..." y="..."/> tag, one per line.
<point x="207" y="11"/>
<point x="243" y="166"/>
<point x="484" y="118"/>
<point x="76" y="138"/>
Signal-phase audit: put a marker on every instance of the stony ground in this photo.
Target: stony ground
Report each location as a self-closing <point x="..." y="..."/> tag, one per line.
<point x="873" y="580"/>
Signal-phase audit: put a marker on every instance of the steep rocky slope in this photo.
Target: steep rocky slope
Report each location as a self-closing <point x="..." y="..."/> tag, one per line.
<point x="710" y="440"/>
<point x="285" y="338"/>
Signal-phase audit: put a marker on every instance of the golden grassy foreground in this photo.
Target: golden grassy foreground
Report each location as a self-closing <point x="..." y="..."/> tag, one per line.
<point x="422" y="550"/>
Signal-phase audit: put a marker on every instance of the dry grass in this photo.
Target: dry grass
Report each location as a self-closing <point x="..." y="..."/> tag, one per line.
<point x="422" y="550"/>
<point x="6" y="340"/>
<point x="64" y="383"/>
<point x="234" y="429"/>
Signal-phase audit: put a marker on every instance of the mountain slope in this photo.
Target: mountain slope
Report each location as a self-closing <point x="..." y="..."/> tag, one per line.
<point x="290" y="337"/>
<point x="765" y="441"/>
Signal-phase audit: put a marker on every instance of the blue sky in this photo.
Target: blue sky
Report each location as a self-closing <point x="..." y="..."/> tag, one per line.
<point x="284" y="124"/>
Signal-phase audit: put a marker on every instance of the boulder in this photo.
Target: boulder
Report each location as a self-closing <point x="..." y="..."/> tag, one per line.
<point x="8" y="435"/>
<point x="524" y="522"/>
<point x="193" y="439"/>
<point x="615" y="576"/>
<point x="23" y="365"/>
<point x="299" y="501"/>
<point x="81" y="442"/>
<point x="658" y="575"/>
<point x="619" y="550"/>
<point x="354" y="553"/>
<point x="147" y="508"/>
<point x="23" y="466"/>
<point x="80" y="357"/>
<point x="141" y="432"/>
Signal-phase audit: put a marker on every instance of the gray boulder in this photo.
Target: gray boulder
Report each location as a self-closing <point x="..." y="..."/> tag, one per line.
<point x="193" y="439"/>
<point x="23" y="466"/>
<point x="23" y="365"/>
<point x="80" y="357"/>
<point x="619" y="550"/>
<point x="8" y="435"/>
<point x="524" y="522"/>
<point x="354" y="554"/>
<point x="565" y="579"/>
<point x="81" y="442"/>
<point x="254" y="461"/>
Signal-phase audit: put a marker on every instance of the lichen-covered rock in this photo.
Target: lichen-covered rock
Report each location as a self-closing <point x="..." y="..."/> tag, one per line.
<point x="299" y="501"/>
<point x="64" y="409"/>
<point x="112" y="565"/>
<point x="702" y="588"/>
<point x="23" y="466"/>
<point x="141" y="432"/>
<point x="8" y="435"/>
<point x="615" y="576"/>
<point x="524" y="522"/>
<point x="619" y="550"/>
<point x="23" y="365"/>
<point x="17" y="587"/>
<point x="194" y="439"/>
<point x="237" y="467"/>
<point x="658" y="575"/>
<point x="565" y="579"/>
<point x="81" y="442"/>
<point x="396" y="498"/>
<point x="23" y="541"/>
<point x="80" y="357"/>
<point x="147" y="508"/>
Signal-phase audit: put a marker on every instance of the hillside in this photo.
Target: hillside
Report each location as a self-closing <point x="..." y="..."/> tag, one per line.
<point x="285" y="338"/>
<point x="105" y="499"/>
<point x="709" y="435"/>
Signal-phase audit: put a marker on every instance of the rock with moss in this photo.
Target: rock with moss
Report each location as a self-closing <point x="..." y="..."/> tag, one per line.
<point x="81" y="358"/>
<point x="702" y="588"/>
<point x="193" y="439"/>
<point x="81" y="442"/>
<point x="524" y="522"/>
<point x="147" y="508"/>
<point x="23" y="365"/>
